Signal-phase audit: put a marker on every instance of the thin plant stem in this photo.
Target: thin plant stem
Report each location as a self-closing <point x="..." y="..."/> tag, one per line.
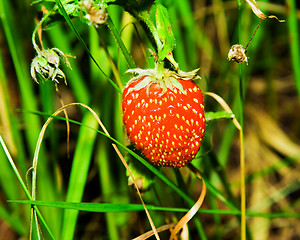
<point x="242" y="162"/>
<point x="252" y="35"/>
<point x="294" y="41"/>
<point x="144" y="16"/>
<point x="121" y="45"/>
<point x="67" y="121"/>
<point x="111" y="61"/>
<point x="241" y="90"/>
<point x="37" y="27"/>
<point x="243" y="186"/>
<point x="242" y="154"/>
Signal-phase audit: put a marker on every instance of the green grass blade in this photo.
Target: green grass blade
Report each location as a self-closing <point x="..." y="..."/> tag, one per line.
<point x="81" y="162"/>
<point x="24" y="186"/>
<point x="121" y="45"/>
<point x="108" y="187"/>
<point x="98" y="207"/>
<point x="186" y="15"/>
<point x="112" y="187"/>
<point x="7" y="178"/>
<point x="25" y="82"/>
<point x="294" y="38"/>
<point x="115" y="208"/>
<point x="218" y="115"/>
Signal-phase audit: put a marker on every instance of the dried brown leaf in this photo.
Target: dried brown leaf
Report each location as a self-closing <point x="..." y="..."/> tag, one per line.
<point x="256" y="10"/>
<point x="191" y="213"/>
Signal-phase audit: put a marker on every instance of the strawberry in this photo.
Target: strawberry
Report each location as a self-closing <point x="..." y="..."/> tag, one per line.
<point x="164" y="116"/>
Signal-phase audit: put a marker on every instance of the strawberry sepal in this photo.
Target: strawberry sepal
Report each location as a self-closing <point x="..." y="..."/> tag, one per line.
<point x="169" y="79"/>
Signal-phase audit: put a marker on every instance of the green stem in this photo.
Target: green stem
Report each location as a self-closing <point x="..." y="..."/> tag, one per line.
<point x="117" y="36"/>
<point x="160" y="67"/>
<point x="144" y="16"/>
<point x="35" y="46"/>
<point x="241" y="87"/>
<point x="294" y="40"/>
<point x="241" y="95"/>
<point x="242" y="154"/>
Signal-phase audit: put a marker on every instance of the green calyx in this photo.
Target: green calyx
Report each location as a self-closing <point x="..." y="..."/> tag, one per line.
<point x="47" y="65"/>
<point x="166" y="78"/>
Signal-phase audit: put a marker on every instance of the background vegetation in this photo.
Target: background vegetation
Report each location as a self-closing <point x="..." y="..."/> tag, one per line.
<point x="93" y="173"/>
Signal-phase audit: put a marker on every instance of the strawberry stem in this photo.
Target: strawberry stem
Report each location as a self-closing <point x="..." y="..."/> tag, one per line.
<point x="35" y="46"/>
<point x="160" y="67"/>
<point x="145" y="17"/>
<point x="161" y="32"/>
<point x="242" y="154"/>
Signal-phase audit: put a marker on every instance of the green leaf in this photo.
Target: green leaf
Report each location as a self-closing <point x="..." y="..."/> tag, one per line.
<point x="164" y="31"/>
<point x="109" y="207"/>
<point x="217" y="115"/>
<point x="71" y="9"/>
<point x="97" y="207"/>
<point x="40" y="1"/>
<point x="79" y="172"/>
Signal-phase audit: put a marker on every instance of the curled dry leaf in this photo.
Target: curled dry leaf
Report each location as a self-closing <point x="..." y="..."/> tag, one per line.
<point x="192" y="212"/>
<point x="255" y="8"/>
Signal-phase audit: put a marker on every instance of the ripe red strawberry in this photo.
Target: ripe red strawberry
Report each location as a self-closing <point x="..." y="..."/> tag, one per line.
<point x="164" y="118"/>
